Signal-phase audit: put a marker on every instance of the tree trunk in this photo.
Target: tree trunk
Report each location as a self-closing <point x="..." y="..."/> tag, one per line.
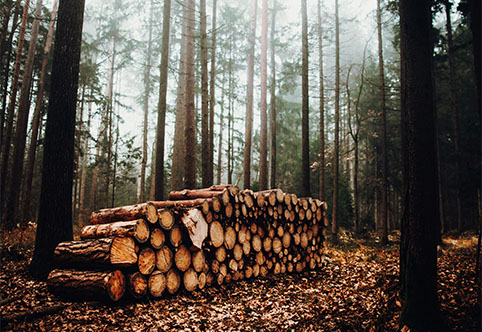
<point x="190" y="126"/>
<point x="212" y="85"/>
<point x="220" y="142"/>
<point x="322" y="106"/>
<point x="419" y="236"/>
<point x="305" y="112"/>
<point x="29" y="168"/>
<point x="83" y="176"/>
<point x="381" y="76"/>
<point x="177" y="168"/>
<point x="334" y="226"/>
<point x="5" y="73"/>
<point x="11" y="111"/>
<point x="162" y="106"/>
<point x="455" y="117"/>
<point x="204" y="97"/>
<point x="249" y="100"/>
<point x="84" y="284"/>
<point x="273" y="102"/>
<point x="147" y="82"/>
<point x="11" y="209"/>
<point x="6" y="12"/>
<point x="263" y="144"/>
<point x="55" y="196"/>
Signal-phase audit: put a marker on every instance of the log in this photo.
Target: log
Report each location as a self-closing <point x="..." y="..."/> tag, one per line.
<point x="157" y="238"/>
<point x="220" y="254"/>
<point x="157" y="283"/>
<point x="188" y="194"/>
<point x="202" y="280"/>
<point x="137" y="229"/>
<point x="166" y="218"/>
<point x="277" y="245"/>
<point x="137" y="285"/>
<point x="229" y="238"/>
<point x="173" y="280"/>
<point x="92" y="284"/>
<point x="238" y="252"/>
<point x="164" y="259"/>
<point x="125" y="213"/>
<point x="182" y="258"/>
<point x="216" y="233"/>
<point x="147" y="261"/>
<point x="190" y="280"/>
<point x="175" y="236"/>
<point x="256" y="243"/>
<point x="198" y="261"/>
<point x="196" y="225"/>
<point x="117" y="252"/>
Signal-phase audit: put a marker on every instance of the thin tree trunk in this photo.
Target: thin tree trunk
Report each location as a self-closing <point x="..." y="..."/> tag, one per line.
<point x="190" y="126"/>
<point x="322" y="106"/>
<point x="204" y="99"/>
<point x="101" y="137"/>
<point x="177" y="168"/>
<point x="230" y="108"/>
<point x="334" y="226"/>
<point x="55" y="214"/>
<point x="147" y="83"/>
<point x="455" y="117"/>
<point x="263" y="144"/>
<point x="249" y="100"/>
<point x="114" y="171"/>
<point x="273" y="101"/>
<point x="29" y="168"/>
<point x="305" y="112"/>
<point x="5" y="73"/>
<point x="11" y="108"/>
<point x="381" y="75"/>
<point x="21" y="125"/>
<point x="212" y="84"/>
<point x="6" y="12"/>
<point x="83" y="176"/>
<point x="220" y="142"/>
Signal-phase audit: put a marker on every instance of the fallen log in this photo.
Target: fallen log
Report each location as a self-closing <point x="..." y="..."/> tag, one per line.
<point x="125" y="213"/>
<point x="116" y="252"/>
<point x="137" y="229"/>
<point x="82" y="284"/>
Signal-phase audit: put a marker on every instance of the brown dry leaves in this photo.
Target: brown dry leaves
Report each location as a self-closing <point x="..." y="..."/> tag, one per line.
<point x="356" y="290"/>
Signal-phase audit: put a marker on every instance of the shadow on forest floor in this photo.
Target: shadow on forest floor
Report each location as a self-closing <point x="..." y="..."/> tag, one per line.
<point x="356" y="290"/>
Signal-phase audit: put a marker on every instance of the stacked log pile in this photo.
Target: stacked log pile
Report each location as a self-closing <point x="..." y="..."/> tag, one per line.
<point x="197" y="238"/>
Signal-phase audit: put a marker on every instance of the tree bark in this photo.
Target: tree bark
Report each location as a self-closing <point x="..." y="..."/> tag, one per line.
<point x="190" y="127"/>
<point x="11" y="111"/>
<point x="418" y="250"/>
<point x="381" y="75"/>
<point x="263" y="144"/>
<point x="273" y="102"/>
<point x="55" y="214"/>
<point x="305" y="112"/>
<point x="249" y="99"/>
<point x="29" y="168"/>
<point x="204" y="97"/>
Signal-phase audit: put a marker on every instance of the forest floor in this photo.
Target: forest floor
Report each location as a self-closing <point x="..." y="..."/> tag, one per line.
<point x="356" y="290"/>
